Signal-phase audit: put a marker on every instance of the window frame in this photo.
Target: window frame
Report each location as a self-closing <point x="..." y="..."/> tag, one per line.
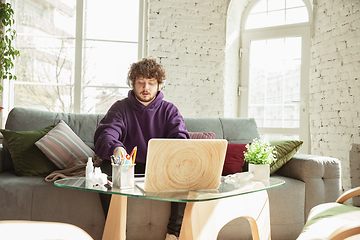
<point x="302" y="30"/>
<point x="9" y="86"/>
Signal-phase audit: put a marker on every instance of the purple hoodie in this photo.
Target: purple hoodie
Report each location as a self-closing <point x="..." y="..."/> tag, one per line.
<point x="129" y="123"/>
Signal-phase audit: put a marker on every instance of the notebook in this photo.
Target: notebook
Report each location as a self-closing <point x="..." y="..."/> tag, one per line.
<point x="183" y="164"/>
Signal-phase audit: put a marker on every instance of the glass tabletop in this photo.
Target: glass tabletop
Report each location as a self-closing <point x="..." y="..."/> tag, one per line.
<point x="226" y="189"/>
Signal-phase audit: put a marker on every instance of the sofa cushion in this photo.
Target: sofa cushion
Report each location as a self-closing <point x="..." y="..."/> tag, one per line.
<point x="234" y="159"/>
<point x="32" y="198"/>
<point x="28" y="160"/>
<point x="285" y="150"/>
<point x="239" y="130"/>
<point x="202" y="135"/>
<point x="62" y="146"/>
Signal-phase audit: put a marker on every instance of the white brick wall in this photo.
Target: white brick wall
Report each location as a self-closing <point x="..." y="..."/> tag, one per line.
<point x="335" y="84"/>
<point x="191" y="39"/>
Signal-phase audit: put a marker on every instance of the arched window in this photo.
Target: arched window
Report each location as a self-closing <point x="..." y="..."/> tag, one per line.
<point x="275" y="68"/>
<point x="268" y="13"/>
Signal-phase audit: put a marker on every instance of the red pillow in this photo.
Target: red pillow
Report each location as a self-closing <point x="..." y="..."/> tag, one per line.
<point x="234" y="159"/>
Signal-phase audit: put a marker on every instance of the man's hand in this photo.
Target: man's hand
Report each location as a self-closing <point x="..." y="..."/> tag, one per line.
<point x="118" y="151"/>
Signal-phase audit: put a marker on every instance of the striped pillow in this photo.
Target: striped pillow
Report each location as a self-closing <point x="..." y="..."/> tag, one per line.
<point x="202" y="135"/>
<point x="62" y="146"/>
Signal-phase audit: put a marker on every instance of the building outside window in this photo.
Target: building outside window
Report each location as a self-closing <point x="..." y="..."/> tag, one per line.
<point x="75" y="54"/>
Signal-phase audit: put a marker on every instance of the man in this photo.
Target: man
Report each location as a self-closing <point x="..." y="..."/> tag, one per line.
<point x="136" y="119"/>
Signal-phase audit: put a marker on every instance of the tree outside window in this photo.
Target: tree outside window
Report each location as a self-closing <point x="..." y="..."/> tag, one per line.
<point x="50" y="76"/>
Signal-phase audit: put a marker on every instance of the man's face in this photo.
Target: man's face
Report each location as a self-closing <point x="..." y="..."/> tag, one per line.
<point x="145" y="89"/>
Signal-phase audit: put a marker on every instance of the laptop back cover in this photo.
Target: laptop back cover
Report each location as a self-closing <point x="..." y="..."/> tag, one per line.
<point x="184" y="164"/>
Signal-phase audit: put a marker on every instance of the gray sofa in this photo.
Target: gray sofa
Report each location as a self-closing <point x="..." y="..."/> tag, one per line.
<point x="310" y="180"/>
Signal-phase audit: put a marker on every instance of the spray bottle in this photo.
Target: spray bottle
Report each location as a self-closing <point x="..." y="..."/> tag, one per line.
<point x="89" y="171"/>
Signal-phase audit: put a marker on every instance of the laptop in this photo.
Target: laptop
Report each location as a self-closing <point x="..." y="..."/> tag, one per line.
<point x="183" y="164"/>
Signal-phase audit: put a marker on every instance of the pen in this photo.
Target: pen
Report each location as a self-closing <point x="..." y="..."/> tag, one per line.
<point x="127" y="161"/>
<point x="112" y="159"/>
<point x="122" y="158"/>
<point x="132" y="152"/>
<point x="134" y="155"/>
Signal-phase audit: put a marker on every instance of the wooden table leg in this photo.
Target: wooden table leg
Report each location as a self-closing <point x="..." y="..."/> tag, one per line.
<point x="115" y="226"/>
<point x="204" y="220"/>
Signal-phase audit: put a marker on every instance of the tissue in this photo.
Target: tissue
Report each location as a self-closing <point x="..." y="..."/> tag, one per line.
<point x="238" y="177"/>
<point x="98" y="178"/>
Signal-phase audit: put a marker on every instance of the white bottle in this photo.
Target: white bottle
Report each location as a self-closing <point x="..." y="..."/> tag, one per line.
<point x="89" y="168"/>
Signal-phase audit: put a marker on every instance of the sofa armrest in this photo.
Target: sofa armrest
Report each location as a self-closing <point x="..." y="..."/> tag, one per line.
<point x="322" y="177"/>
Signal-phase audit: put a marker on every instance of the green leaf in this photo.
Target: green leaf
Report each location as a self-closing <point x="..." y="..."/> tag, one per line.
<point x="7" y="51"/>
<point x="259" y="152"/>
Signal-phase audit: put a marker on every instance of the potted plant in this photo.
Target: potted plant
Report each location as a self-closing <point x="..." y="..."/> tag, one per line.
<point x="259" y="155"/>
<point x="7" y="36"/>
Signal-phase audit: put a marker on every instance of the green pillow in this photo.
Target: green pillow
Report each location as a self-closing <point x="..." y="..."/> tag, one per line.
<point x="285" y="150"/>
<point x="27" y="158"/>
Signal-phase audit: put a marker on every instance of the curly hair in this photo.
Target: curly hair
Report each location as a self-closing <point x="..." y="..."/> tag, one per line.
<point x="147" y="68"/>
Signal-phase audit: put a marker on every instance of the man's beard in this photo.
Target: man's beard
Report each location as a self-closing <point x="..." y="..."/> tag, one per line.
<point x="143" y="98"/>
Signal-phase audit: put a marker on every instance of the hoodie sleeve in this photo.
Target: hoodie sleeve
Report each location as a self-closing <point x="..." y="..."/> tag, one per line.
<point x="110" y="131"/>
<point x="175" y="127"/>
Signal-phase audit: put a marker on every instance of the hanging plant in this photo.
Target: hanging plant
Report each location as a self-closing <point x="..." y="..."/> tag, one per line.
<point x="7" y="36"/>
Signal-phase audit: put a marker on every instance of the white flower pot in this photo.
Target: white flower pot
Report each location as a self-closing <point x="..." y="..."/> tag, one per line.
<point x="261" y="172"/>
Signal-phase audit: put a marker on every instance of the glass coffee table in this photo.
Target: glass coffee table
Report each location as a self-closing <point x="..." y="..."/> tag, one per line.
<point x="206" y="212"/>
